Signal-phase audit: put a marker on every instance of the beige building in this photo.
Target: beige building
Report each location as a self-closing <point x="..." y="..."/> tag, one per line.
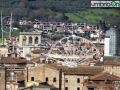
<point x="112" y="67"/>
<point x="3" y="51"/>
<point x="29" y="38"/>
<point x="2" y="78"/>
<point x="62" y="77"/>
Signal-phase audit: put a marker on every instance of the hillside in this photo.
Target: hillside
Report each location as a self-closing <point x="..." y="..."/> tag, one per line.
<point x="58" y="11"/>
<point x="93" y="16"/>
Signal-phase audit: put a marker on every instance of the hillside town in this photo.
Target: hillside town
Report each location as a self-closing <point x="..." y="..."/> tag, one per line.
<point x="60" y="56"/>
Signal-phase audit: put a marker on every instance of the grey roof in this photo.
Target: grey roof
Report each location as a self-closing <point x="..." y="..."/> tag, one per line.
<point x="110" y="58"/>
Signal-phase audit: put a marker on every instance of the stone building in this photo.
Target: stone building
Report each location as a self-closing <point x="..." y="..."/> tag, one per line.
<point x="61" y="77"/>
<point x="103" y="81"/>
<point x="29" y="38"/>
<point x="2" y="78"/>
<point x="112" y="67"/>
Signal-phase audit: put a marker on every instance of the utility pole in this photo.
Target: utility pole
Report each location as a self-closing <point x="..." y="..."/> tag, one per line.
<point x="1" y="26"/>
<point x="10" y="26"/>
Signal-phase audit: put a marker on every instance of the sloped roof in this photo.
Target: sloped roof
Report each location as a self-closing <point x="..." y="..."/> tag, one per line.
<point x="86" y="29"/>
<point x="104" y="76"/>
<point x="112" y="62"/>
<point x="14" y="60"/>
<point x="38" y="51"/>
<point x="89" y="70"/>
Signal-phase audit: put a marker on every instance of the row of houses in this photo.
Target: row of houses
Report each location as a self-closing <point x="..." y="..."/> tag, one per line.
<point x="50" y="26"/>
<point x="54" y="77"/>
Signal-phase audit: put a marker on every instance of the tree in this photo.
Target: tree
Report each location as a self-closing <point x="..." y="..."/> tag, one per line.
<point x="66" y="18"/>
<point x="61" y="31"/>
<point x="103" y="25"/>
<point x="56" y="37"/>
<point x="15" y="24"/>
<point x="53" y="8"/>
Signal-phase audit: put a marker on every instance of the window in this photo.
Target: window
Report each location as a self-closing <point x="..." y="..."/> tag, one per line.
<point x="54" y="79"/>
<point x="66" y="80"/>
<point x="46" y="79"/>
<point x="30" y="39"/>
<point x="66" y="88"/>
<point x="78" y="80"/>
<point x="36" y="40"/>
<point x="112" y="67"/>
<point x="32" y="78"/>
<point x="78" y="88"/>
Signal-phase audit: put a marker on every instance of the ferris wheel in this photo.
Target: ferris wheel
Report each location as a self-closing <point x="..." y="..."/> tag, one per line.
<point x="72" y="51"/>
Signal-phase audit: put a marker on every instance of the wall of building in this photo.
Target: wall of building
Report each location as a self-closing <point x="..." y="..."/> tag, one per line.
<point x="42" y="72"/>
<point x="73" y="83"/>
<point x="3" y="51"/>
<point x="27" y="35"/>
<point x="2" y="79"/>
<point x="107" y="42"/>
<point x="115" y="70"/>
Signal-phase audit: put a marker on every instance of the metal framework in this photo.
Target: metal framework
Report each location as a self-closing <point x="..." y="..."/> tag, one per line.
<point x="2" y="18"/>
<point x="73" y="50"/>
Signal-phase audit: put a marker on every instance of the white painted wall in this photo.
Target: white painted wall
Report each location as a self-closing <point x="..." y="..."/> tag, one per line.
<point x="106" y="47"/>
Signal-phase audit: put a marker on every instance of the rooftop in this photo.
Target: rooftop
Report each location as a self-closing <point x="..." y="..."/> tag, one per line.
<point x="14" y="60"/>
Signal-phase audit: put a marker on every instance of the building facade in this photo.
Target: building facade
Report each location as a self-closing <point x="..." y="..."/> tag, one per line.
<point x="29" y="38"/>
<point x="112" y="42"/>
<point x="61" y="77"/>
<point x="2" y="78"/>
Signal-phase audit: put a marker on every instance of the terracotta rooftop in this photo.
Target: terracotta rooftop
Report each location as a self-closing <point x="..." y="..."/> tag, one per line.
<point x="37" y="60"/>
<point x="39" y="51"/>
<point x="112" y="62"/>
<point x="86" y="29"/>
<point x="89" y="70"/>
<point x="45" y="51"/>
<point x="14" y="60"/>
<point x="104" y="76"/>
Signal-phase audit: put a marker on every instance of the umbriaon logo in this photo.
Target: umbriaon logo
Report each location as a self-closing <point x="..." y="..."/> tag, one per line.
<point x="105" y="3"/>
<point x="113" y="3"/>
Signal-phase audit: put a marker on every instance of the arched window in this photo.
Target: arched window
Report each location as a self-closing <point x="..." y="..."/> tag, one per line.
<point x="30" y="39"/>
<point x="36" y="40"/>
<point x="24" y="38"/>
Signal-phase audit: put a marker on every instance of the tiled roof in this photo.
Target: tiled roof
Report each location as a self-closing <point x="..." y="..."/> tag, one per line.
<point x="86" y="29"/>
<point x="38" y="51"/>
<point x="112" y="62"/>
<point x="83" y="70"/>
<point x="37" y="60"/>
<point x="14" y="60"/>
<point x="53" y="42"/>
<point x="45" y="51"/>
<point x="13" y="39"/>
<point x="104" y="76"/>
